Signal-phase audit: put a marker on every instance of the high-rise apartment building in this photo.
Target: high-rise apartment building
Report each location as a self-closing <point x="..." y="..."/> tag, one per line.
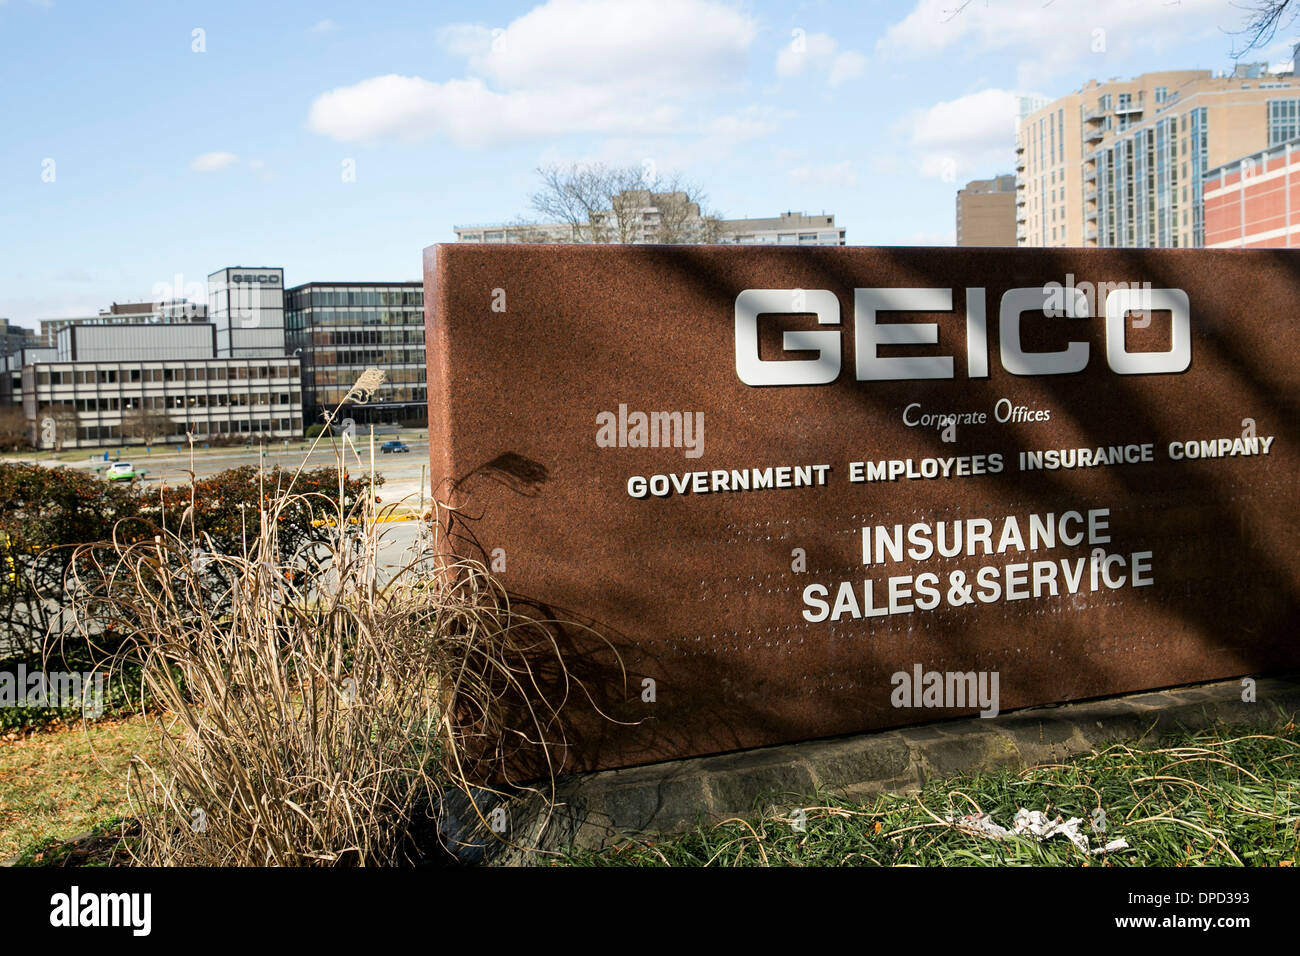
<point x="1122" y="163"/>
<point x="986" y="212"/>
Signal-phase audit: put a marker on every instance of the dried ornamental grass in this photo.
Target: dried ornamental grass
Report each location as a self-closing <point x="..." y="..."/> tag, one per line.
<point x="313" y="719"/>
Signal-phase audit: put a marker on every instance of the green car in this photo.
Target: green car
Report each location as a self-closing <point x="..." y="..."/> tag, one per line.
<point x="120" y="471"/>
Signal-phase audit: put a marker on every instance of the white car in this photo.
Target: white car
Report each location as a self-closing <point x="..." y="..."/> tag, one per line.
<point x="120" y="471"/>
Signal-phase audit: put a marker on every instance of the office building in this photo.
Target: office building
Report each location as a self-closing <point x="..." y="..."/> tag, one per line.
<point x="11" y="381"/>
<point x="247" y="307"/>
<point x="156" y="372"/>
<point x="170" y="312"/>
<point x="94" y="403"/>
<point x="14" y="338"/>
<point x="1123" y="163"/>
<point x="127" y="341"/>
<point x="340" y="329"/>
<point x="986" y="212"/>
<point x="787" y="229"/>
<point x="645" y="217"/>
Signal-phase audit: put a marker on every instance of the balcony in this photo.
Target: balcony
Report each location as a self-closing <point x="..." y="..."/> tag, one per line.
<point x="1094" y="134"/>
<point x="1094" y="116"/>
<point x="1133" y="109"/>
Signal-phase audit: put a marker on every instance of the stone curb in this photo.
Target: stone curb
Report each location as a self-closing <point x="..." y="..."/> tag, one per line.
<point x="597" y="810"/>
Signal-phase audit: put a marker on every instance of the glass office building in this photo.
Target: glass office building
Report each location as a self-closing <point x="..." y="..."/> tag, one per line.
<point x="339" y="329"/>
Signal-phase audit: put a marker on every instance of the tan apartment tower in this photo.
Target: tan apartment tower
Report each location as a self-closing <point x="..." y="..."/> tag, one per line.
<point x="1121" y="163"/>
<point x="986" y="212"/>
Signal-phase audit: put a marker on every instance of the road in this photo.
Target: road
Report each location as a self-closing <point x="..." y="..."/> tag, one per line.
<point x="405" y="473"/>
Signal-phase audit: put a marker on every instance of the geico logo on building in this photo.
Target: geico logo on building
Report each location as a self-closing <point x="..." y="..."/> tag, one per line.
<point x="267" y="279"/>
<point x="869" y="334"/>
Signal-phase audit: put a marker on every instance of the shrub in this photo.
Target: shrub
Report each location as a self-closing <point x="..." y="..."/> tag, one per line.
<point x="45" y="513"/>
<point x="319" y="717"/>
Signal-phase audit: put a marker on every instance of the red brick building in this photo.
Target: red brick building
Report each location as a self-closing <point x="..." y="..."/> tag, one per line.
<point x="1254" y="202"/>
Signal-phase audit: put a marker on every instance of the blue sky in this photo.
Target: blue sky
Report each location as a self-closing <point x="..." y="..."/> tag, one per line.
<point x="149" y="141"/>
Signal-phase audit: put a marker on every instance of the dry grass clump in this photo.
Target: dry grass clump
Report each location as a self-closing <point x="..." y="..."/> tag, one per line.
<point x="316" y="720"/>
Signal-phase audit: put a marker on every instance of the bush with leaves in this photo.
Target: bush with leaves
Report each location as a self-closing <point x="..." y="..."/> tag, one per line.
<point x="45" y="513"/>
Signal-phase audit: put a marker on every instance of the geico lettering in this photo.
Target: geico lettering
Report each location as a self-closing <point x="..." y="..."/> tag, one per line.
<point x="869" y="334"/>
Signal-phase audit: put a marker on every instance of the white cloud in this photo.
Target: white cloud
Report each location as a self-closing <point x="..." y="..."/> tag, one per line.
<point x="410" y="108"/>
<point x="1048" y="40"/>
<point x="567" y="66"/>
<point x="219" y="162"/>
<point x="846" y="66"/>
<point x="676" y="45"/>
<point x="213" y="162"/>
<point x="958" y="136"/>
<point x="324" y="26"/>
<point x="819" y="52"/>
<point x="828" y="175"/>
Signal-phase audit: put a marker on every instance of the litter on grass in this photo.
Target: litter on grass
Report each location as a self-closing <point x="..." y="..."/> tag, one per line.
<point x="1034" y="823"/>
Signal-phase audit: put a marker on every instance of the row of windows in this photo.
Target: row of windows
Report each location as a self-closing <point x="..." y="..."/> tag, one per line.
<point x="314" y="318"/>
<point x="201" y="429"/>
<point x="367" y="357"/>
<point x="316" y="298"/>
<point x="347" y="376"/>
<point x="789" y="238"/>
<point x="405" y="336"/>
<point x="197" y="373"/>
<point x="1283" y="120"/>
<point x="163" y="402"/>
<point x="333" y="396"/>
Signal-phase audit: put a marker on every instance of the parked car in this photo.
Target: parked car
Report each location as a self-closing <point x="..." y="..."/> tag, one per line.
<point x="120" y="471"/>
<point x="394" y="446"/>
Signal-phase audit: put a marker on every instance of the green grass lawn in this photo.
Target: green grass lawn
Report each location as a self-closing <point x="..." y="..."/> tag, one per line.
<point x="1226" y="798"/>
<point x="59" y="783"/>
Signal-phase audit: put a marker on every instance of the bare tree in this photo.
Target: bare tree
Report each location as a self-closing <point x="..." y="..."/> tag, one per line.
<point x="578" y="196"/>
<point x="682" y="216"/>
<point x="622" y="204"/>
<point x="147" y="425"/>
<point x="14" y="433"/>
<point x="1265" y="18"/>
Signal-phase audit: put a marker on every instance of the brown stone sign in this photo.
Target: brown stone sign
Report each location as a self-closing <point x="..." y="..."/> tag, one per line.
<point x="808" y="492"/>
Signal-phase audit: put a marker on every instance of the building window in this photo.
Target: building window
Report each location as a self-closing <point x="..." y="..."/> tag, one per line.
<point x="1283" y="120"/>
<point x="1161" y="93"/>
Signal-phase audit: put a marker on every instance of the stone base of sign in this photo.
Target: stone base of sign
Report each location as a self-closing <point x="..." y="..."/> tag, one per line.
<point x="601" y="809"/>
